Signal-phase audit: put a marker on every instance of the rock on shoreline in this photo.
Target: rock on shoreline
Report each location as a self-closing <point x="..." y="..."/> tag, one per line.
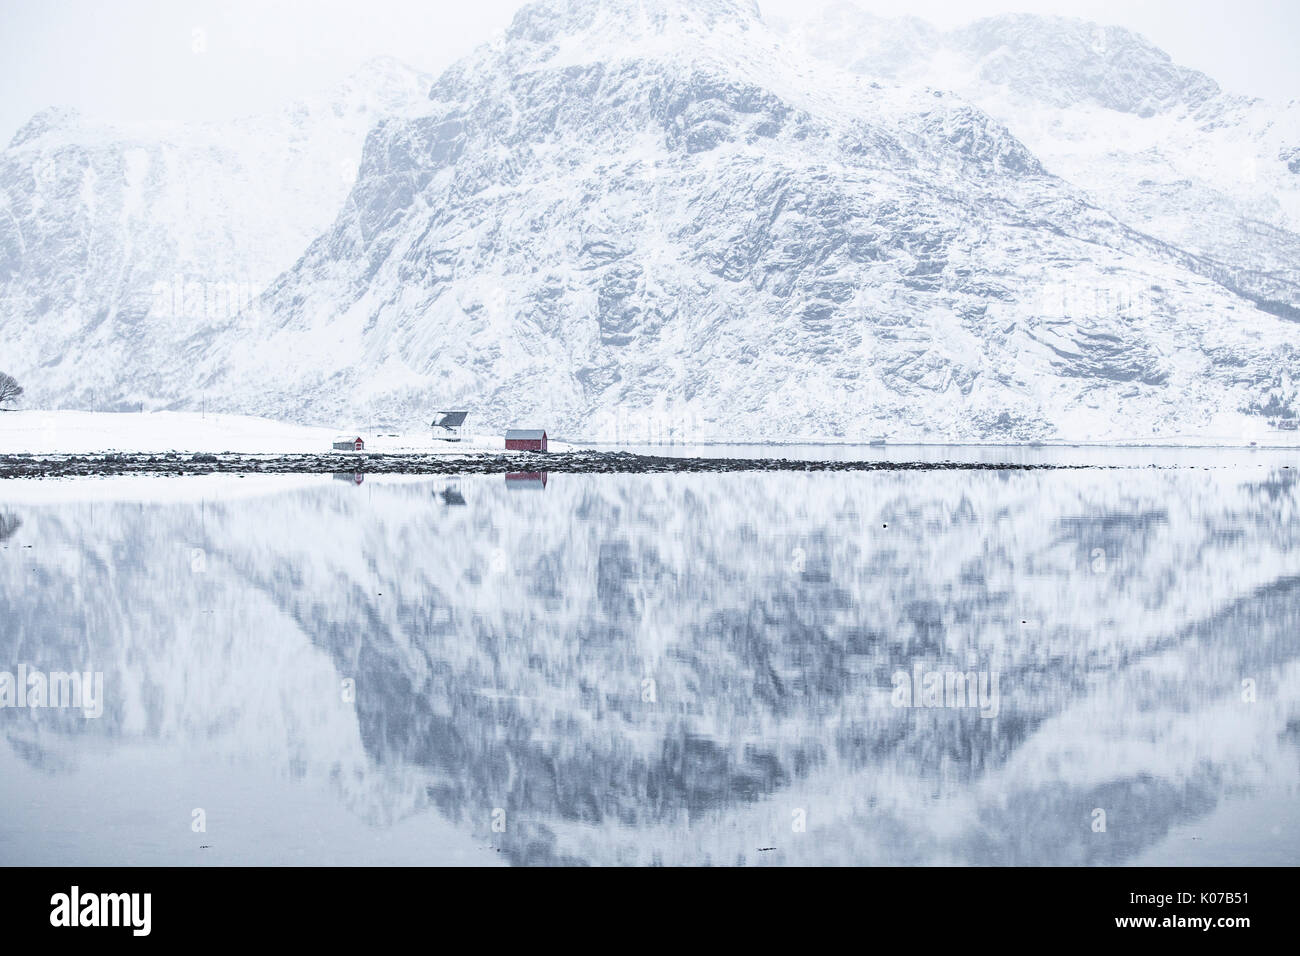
<point x="588" y="462"/>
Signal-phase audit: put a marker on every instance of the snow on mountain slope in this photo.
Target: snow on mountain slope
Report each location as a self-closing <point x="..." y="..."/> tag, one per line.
<point x="1160" y="146"/>
<point x="666" y="212"/>
<point x="117" y="244"/>
<point x="658" y="209"/>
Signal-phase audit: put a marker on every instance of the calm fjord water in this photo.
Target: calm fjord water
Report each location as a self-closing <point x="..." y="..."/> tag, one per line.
<point x="658" y="669"/>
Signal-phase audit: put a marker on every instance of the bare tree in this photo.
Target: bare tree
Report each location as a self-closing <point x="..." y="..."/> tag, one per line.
<point x="9" y="388"/>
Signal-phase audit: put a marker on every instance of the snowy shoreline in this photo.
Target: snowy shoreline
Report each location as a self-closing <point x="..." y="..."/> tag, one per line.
<point x="72" y="466"/>
<point x="37" y="432"/>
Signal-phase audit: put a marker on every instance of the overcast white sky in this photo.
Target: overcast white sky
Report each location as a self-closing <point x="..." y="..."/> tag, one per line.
<point x="137" y="59"/>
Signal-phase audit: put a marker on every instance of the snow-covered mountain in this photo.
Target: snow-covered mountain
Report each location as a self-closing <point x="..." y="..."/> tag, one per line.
<point x="1160" y="146"/>
<point x="669" y="215"/>
<point x="662" y="209"/>
<point x="118" y="243"/>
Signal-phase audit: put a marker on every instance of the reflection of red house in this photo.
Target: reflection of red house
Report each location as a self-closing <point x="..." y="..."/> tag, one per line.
<point x="526" y="439"/>
<point x="535" y="480"/>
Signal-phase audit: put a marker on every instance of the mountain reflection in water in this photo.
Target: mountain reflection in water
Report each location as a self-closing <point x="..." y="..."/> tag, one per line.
<point x="671" y="668"/>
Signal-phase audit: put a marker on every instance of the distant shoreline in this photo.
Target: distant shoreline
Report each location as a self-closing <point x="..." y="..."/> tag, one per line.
<point x="582" y="462"/>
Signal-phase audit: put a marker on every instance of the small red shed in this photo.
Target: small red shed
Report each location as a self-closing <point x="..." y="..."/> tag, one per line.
<point x="350" y="444"/>
<point x="526" y="439"/>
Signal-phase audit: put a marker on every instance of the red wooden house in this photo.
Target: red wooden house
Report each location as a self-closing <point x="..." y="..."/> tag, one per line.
<point x="526" y="439"/>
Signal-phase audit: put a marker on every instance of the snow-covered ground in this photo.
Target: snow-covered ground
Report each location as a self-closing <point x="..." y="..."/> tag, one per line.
<point x="80" y="433"/>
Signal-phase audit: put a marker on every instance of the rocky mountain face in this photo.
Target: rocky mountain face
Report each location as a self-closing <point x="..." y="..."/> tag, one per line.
<point x="659" y="218"/>
<point x="1160" y="146"/>
<point x="118" y="244"/>
<point x="644" y="669"/>
<point x="662" y="212"/>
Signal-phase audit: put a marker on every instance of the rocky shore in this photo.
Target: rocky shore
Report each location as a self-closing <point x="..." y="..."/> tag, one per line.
<point x="581" y="462"/>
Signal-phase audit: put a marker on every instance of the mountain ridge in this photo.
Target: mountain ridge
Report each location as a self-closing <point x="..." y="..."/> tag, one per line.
<point x="675" y="214"/>
<point x="430" y="308"/>
<point x="118" y="241"/>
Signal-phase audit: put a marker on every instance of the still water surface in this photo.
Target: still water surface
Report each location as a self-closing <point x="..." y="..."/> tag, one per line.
<point x="676" y="669"/>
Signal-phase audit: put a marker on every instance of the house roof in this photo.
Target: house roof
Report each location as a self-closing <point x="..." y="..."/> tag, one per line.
<point x="451" y="419"/>
<point x="525" y="434"/>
